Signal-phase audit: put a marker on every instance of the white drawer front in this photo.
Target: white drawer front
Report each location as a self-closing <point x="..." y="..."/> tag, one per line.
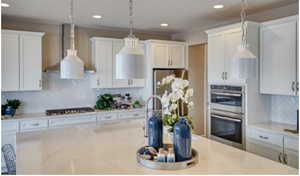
<point x="71" y="120"/>
<point x="291" y="143"/>
<point x="133" y="114"/>
<point x="107" y="116"/>
<point x="265" y="136"/>
<point x="33" y="124"/>
<point x="9" y="126"/>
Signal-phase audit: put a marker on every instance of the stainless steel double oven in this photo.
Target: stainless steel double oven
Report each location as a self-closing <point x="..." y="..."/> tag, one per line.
<point x="227" y="114"/>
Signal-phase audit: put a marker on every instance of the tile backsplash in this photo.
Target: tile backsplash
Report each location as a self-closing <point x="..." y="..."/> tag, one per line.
<point x="59" y="93"/>
<point x="284" y="109"/>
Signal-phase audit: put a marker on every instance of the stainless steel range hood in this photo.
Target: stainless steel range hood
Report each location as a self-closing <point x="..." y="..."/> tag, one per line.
<point x="65" y="43"/>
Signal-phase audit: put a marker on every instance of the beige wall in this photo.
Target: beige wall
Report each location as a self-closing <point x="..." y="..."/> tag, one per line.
<point x="52" y="39"/>
<point x="197" y="78"/>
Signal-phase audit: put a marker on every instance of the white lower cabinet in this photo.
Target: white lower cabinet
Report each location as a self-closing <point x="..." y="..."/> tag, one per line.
<point x="8" y="136"/>
<point x="110" y="116"/>
<point x="36" y="124"/>
<point x="266" y="150"/>
<point x="64" y="121"/>
<point x="134" y="114"/>
<point x="277" y="147"/>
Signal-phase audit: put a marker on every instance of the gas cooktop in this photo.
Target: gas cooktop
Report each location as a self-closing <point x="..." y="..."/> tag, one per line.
<point x="68" y="111"/>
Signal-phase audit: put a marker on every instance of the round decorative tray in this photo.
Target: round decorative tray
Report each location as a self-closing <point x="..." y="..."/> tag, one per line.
<point x="168" y="166"/>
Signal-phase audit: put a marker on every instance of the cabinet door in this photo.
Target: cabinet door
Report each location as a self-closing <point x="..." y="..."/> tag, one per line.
<point x="177" y="56"/>
<point x="291" y="158"/>
<point x="232" y="41"/>
<point x="215" y="58"/>
<point x="30" y="62"/>
<point x="10" y="62"/>
<point x="265" y="150"/>
<point x="160" y="56"/>
<point x="278" y="58"/>
<point x="103" y="59"/>
<point x="118" y="83"/>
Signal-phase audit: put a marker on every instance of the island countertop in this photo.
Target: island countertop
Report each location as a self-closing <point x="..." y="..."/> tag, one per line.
<point x="111" y="149"/>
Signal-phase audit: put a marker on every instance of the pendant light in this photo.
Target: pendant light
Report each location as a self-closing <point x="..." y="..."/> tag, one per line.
<point x="243" y="51"/>
<point x="72" y="66"/>
<point x="130" y="60"/>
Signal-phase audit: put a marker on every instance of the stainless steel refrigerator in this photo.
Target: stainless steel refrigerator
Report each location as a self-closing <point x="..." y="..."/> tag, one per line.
<point x="158" y="75"/>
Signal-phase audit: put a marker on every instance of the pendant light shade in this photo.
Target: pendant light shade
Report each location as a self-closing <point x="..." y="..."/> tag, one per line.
<point x="243" y="51"/>
<point x="130" y="60"/>
<point x="72" y="67"/>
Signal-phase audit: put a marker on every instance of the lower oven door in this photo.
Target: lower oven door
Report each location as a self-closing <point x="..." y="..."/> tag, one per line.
<point x="227" y="128"/>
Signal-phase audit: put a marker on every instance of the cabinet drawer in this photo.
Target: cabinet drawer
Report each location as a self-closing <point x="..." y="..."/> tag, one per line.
<point x="9" y="126"/>
<point x="265" y="136"/>
<point x="33" y="124"/>
<point x="133" y="114"/>
<point x="107" y="116"/>
<point x="291" y="143"/>
<point x="71" y="120"/>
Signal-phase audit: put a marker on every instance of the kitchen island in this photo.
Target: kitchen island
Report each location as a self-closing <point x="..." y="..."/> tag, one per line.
<point x="111" y="149"/>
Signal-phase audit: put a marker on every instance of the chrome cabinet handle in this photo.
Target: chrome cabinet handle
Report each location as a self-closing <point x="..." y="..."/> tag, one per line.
<point x="108" y="117"/>
<point x="226" y="75"/>
<point x="297" y="86"/>
<point x="171" y="62"/>
<point x="98" y="82"/>
<point x="35" y="124"/>
<point x="279" y="157"/>
<point x="40" y="83"/>
<point x="293" y="86"/>
<point x="263" y="137"/>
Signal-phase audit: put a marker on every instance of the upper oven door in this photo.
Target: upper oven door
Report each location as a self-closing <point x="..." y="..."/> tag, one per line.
<point x="226" y="98"/>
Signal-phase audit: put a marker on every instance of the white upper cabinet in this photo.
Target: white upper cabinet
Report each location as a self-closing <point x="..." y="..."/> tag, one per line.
<point x="160" y="55"/>
<point x="31" y="62"/>
<point x="177" y="56"/>
<point x="104" y="51"/>
<point x="10" y="62"/>
<point x="21" y="60"/>
<point x="279" y="57"/>
<point x="216" y="57"/>
<point x="222" y="46"/>
<point x="168" y="54"/>
<point x="102" y="59"/>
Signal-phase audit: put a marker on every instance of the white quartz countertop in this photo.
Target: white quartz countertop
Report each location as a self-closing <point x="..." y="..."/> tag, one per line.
<point x="111" y="149"/>
<point x="43" y="115"/>
<point x="276" y="128"/>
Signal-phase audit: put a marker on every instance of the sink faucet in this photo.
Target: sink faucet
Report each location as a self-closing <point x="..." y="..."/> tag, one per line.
<point x="147" y="113"/>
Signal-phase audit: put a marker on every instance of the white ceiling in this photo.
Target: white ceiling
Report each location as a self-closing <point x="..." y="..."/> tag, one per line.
<point x="181" y="15"/>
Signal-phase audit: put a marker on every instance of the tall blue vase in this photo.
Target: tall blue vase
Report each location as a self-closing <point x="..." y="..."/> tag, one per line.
<point x="182" y="140"/>
<point x="155" y="132"/>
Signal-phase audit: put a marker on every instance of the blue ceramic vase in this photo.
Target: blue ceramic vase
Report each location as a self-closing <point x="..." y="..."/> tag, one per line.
<point x="182" y="140"/>
<point x="155" y="132"/>
<point x="10" y="111"/>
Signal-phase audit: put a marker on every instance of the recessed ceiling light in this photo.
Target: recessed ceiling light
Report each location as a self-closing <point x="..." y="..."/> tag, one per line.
<point x="4" y="4"/>
<point x="164" y="25"/>
<point x="97" y="16"/>
<point x="219" y="6"/>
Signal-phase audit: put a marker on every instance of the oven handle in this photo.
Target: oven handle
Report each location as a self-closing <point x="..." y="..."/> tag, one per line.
<point x="226" y="118"/>
<point x="228" y="94"/>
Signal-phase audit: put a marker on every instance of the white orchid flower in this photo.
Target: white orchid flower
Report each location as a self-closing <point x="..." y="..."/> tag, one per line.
<point x="191" y="105"/>
<point x="173" y="107"/>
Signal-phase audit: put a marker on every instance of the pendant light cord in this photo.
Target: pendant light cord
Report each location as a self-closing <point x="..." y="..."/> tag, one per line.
<point x="243" y="21"/>
<point x="131" y="19"/>
<point x="72" y="34"/>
